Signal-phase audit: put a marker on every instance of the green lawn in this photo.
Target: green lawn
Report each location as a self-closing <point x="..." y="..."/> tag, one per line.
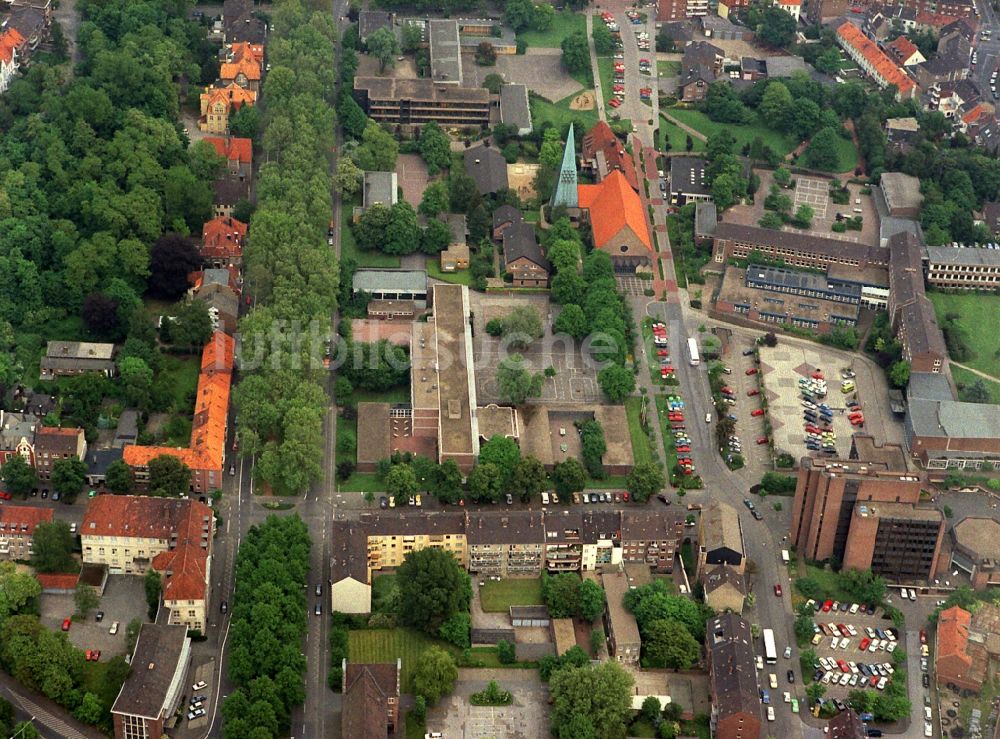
<point x="180" y="373"/>
<point x="349" y="248"/>
<point x="461" y="277"/>
<point x="829" y="583"/>
<point x="606" y="71"/>
<point x="608" y="483"/>
<point x="497" y="597"/>
<point x="565" y="23"/>
<point x="978" y="313"/>
<point x="386" y="645"/>
<point x="668" y="69"/>
<point x="642" y="450"/>
<point x="743" y="134"/>
<point x="677" y="137"/>
<point x="359" y="482"/>
<point x="847" y="155"/>
<point x="963" y="377"/>
<point x="559" y="113"/>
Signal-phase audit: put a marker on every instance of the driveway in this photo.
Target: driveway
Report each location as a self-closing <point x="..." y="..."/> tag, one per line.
<point x="124" y="599"/>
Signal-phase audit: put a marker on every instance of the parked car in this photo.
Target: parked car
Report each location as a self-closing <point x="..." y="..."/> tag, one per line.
<point x="66" y="624"/>
<point x="777" y="590"/>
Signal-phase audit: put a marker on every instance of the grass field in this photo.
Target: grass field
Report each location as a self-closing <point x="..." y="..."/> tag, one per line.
<point x="847" y="155"/>
<point x="386" y="645"/>
<point x="180" y="373"/>
<point x="565" y="23"/>
<point x="606" y="71"/>
<point x="559" y="113"/>
<point x="978" y="312"/>
<point x="461" y="277"/>
<point x="677" y="137"/>
<point x="349" y="248"/>
<point x="642" y="450"/>
<point x="497" y="597"/>
<point x="668" y="69"/>
<point x="359" y="482"/>
<point x="963" y="377"/>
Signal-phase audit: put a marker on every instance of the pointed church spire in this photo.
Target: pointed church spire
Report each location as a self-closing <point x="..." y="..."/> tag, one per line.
<point x="565" y="193"/>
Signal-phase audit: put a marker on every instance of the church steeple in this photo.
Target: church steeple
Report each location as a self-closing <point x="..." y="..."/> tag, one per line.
<point x="565" y="193"/>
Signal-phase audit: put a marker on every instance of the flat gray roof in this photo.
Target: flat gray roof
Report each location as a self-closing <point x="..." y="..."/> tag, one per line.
<point x="965" y="256"/>
<point x="952" y="418"/>
<point x="446" y="52"/>
<point x="929" y="386"/>
<point x="380" y="187"/>
<point x="901" y="190"/>
<point x="391" y="280"/>
<point x="514" y="109"/>
<point x="155" y="662"/>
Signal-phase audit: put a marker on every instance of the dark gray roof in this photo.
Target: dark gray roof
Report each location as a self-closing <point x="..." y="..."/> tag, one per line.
<point x="240" y="23"/>
<point x="733" y="674"/>
<point x="929" y="386"/>
<point x="446" y="52"/>
<point x="505" y="214"/>
<point x="128" y="427"/>
<point x="785" y="66"/>
<point x="706" y="218"/>
<point x="512" y="527"/>
<point x="370" y="21"/>
<point x="654" y="525"/>
<point x="913" y="308"/>
<point x="230" y="189"/>
<point x="456" y="223"/>
<point x="820" y="246"/>
<point x="701" y="52"/>
<point x="678" y="31"/>
<point x="379" y="187"/>
<point x="968" y="256"/>
<point x="991" y="215"/>
<point x="846" y="725"/>
<point x="952" y="418"/>
<point x="753" y="64"/>
<point x="519" y="242"/>
<point x="349" y="555"/>
<point x="514" y="109"/>
<point x="722" y="575"/>
<point x="154" y="664"/>
<point x="487" y="167"/>
<point x="694" y="73"/>
<point x="387" y="280"/>
<point x="98" y="460"/>
<point x="944" y="64"/>
<point x="687" y="176"/>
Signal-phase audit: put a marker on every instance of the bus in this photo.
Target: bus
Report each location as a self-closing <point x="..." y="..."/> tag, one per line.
<point x="770" y="653"/>
<point x="693" y="351"/>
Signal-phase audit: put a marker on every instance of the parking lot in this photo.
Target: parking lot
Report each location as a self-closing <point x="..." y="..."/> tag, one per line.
<point x="879" y="652"/>
<point x="124" y="599"/>
<point x="749" y="428"/>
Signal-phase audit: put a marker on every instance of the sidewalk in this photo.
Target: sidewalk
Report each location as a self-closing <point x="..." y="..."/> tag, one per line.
<point x="598" y="92"/>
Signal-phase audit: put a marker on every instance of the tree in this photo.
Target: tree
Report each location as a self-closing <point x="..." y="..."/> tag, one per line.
<point x="245" y="122"/>
<point x="383" y="46"/>
<point x="568" y="477"/>
<point x="19" y="476"/>
<point x="85" y="598"/>
<point x="576" y="53"/>
<point x="402" y="234"/>
<point x="804" y="626"/>
<point x="571" y="320"/>
<point x="52" y="548"/>
<point x="432" y="587"/>
<point x="493" y="82"/>
<point x="602" y="694"/>
<point x="401" y="483"/>
<point x="378" y="149"/>
<point x="527" y="479"/>
<point x="17" y="589"/>
<point x="506" y="652"/>
<point x="651" y="709"/>
<point x="774" y="26"/>
<point x="434" y="674"/>
<point x="435" y="199"/>
<point x="100" y="314"/>
<point x="435" y="237"/>
<point x="803" y="216"/>
<point x="457" y="630"/>
<point x="464" y="194"/>
<point x="590" y="600"/>
<point x="689" y="143"/>
<point x="68" y="476"/>
<point x="782" y="176"/>
<point x="90" y="710"/>
<point x="771" y="220"/>
<point x="191" y="325"/>
<point x="543" y="17"/>
<point x="616" y="381"/>
<point x="568" y="288"/>
<point x="645" y="480"/>
<point x="413" y="36"/>
<point x="152" y="584"/>
<point x="561" y="593"/>
<point x="137" y="381"/>
<point x="484" y="483"/>
<point x="776" y="105"/>
<point x="668" y="643"/>
<point x="435" y="149"/>
<point x="604" y="42"/>
<point x="352" y="117"/>
<point x="975" y="392"/>
<point x="815" y="691"/>
<point x="516" y="382"/>
<point x="501" y="451"/>
<point x="348" y="177"/>
<point x="521" y="327"/>
<point x="169" y="477"/>
<point x="822" y="150"/>
<point x="727" y="189"/>
<point x="486" y="54"/>
<point x="592" y="448"/>
<point x="899" y="374"/>
<point x="172" y="258"/>
<point x="447" y="482"/>
<point x="519" y="14"/>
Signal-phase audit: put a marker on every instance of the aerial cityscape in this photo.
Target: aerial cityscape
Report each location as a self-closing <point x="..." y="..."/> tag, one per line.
<point x="499" y="369"/>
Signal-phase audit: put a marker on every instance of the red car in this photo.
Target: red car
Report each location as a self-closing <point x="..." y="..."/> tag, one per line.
<point x="751" y="371"/>
<point x="757" y="412"/>
<point x="843" y="666"/>
<point x="684" y="449"/>
<point x="668" y="368"/>
<point x="66" y="624"/>
<point x="777" y="590"/>
<point x="817" y="376"/>
<point x="93" y="655"/>
<point x="827" y="606"/>
<point x="5" y="495"/>
<point x="865" y="643"/>
<point x="614" y="102"/>
<point x="661" y="352"/>
<point x="751" y="393"/>
<point x="761" y="439"/>
<point x="923" y="636"/>
<point x="625" y="497"/>
<point x="873" y="681"/>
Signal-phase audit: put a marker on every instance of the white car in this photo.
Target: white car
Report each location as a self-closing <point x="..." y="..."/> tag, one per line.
<point x="851" y="630"/>
<point x="891" y="648"/>
<point x="882" y="683"/>
<point x="853" y="609"/>
<point x="787" y="696"/>
<point x="114" y="628"/>
<point x="844" y="679"/>
<point x="772" y="680"/>
<point x="844" y="643"/>
<point x="770" y="714"/>
<point x="827" y="677"/>
<point x="760" y="662"/>
<point x="928" y="729"/>
<point x="200" y="685"/>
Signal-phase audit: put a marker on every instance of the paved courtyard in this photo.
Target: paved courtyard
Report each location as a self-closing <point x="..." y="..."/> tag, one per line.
<point x="124" y="599"/>
<point x="541" y="70"/>
<point x="632" y="285"/>
<point x="814" y="193"/>
<point x="411" y="172"/>
<point x="526" y="718"/>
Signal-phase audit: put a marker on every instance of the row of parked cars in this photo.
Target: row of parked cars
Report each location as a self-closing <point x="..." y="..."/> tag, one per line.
<point x="675" y="404"/>
<point x="852" y="674"/>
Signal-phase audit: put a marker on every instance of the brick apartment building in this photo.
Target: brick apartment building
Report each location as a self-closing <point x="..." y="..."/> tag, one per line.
<point x="796" y="250"/>
<point x="17" y="529"/>
<point x="52" y="444"/>
<point x="676" y="10"/>
<point x="898" y="541"/>
<point x="152" y="692"/>
<point x="371" y="700"/>
<point x="732" y="677"/>
<point x="910" y="310"/>
<point x="963" y="268"/>
<point x="967" y="647"/>
<point x="624" y="643"/>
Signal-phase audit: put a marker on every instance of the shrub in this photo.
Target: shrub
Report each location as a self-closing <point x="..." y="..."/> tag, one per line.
<point x="506" y="652"/>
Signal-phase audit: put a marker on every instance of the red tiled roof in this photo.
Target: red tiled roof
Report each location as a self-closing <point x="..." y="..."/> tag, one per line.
<point x="57" y="582"/>
<point x="232" y="94"/>
<point x="976" y="113"/>
<point x="937" y="20"/>
<point x="902" y="48"/>
<point x="233" y="148"/>
<point x="246" y="50"/>
<point x="953" y="633"/>
<point x="17" y="515"/>
<point x="249" y="68"/>
<point x="222" y="238"/>
<point x="184" y="523"/>
<point x="883" y="65"/>
<point x="602" y="138"/>
<point x="613" y="205"/>
<point x="9" y="41"/>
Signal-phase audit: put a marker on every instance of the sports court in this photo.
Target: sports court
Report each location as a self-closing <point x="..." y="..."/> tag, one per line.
<point x="813" y="192"/>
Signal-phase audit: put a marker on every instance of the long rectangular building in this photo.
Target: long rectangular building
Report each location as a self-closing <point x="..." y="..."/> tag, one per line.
<point x="963" y="268"/>
<point x="503" y="544"/>
<point x="910" y="310"/>
<point x="795" y="249"/>
<point x="414" y="102"/>
<point x="874" y="61"/>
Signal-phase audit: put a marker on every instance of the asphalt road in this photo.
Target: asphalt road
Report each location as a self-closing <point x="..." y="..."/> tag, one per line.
<point x="988" y="50"/>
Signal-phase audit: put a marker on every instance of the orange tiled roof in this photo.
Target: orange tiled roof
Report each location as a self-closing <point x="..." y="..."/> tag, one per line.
<point x="613" y="205"/>
<point x="977" y="112"/>
<point x="233" y="148"/>
<point x="222" y="238"/>
<point x="56" y="581"/>
<point x="186" y="523"/>
<point x="245" y="66"/>
<point x="902" y="48"/>
<point x="953" y="633"/>
<point x="208" y="430"/>
<point x="937" y="20"/>
<point x="9" y="41"/>
<point x="246" y="50"/>
<point x="230" y="94"/>
<point x="17" y="515"/>
<point x="882" y="64"/>
<point x="602" y="138"/>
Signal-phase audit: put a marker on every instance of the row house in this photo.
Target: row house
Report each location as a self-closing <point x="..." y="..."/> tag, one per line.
<point x="52" y="444"/>
<point x="874" y="61"/>
<point x="17" y="436"/>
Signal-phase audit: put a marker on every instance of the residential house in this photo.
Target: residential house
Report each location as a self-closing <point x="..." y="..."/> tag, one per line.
<point x="227" y="192"/>
<point x="456" y="255"/>
<point x="158" y="680"/>
<point x="732" y="677"/>
<point x="618" y="222"/>
<point x="974" y="117"/>
<point x="17" y="529"/>
<point x="956" y="39"/>
<point x="725" y="589"/>
<point x="17" y="436"/>
<point x="904" y="52"/>
<point x="11" y="43"/>
<point x="952" y="661"/>
<point x="503" y="218"/>
<point x="205" y="456"/>
<point x="131" y="534"/>
<point x="32" y="24"/>
<point x="242" y="66"/>
<point x="603" y="152"/>
<point x="238" y="153"/>
<point x="222" y="242"/>
<point x="370" y="21"/>
<point x="370" y="703"/>
<point x="941" y="69"/>
<point x="901" y="131"/>
<point x="624" y="643"/>
<point x="821" y="11"/>
<point x="98" y="461"/>
<point x="846" y="725"/>
<point x="694" y="82"/>
<point x="219" y="289"/>
<point x="720" y="537"/>
<point x="487" y="166"/>
<point x="721" y="29"/>
<point x="752" y="69"/>
<point x="68" y="358"/>
<point x="241" y="24"/>
<point x="991" y="217"/>
<point x="523" y="257"/>
<point x="874" y="61"/>
<point x="53" y="443"/>
<point x="687" y="181"/>
<point x="792" y="7"/>
<point x="216" y="103"/>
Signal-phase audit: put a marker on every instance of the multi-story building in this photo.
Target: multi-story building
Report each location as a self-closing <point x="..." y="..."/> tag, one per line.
<point x="414" y="102"/>
<point x="603" y="152"/>
<point x="846" y="725"/>
<point x="795" y="250"/>
<point x="10" y="43"/>
<point x="17" y="436"/>
<point x="948" y="434"/>
<point x="216" y="103"/>
<point x="370" y="700"/>
<point x="523" y="258"/>
<point x="975" y="549"/>
<point x="237" y="151"/>
<point x="898" y="541"/>
<point x="967" y="647"/>
<point x="732" y="677"/>
<point x="675" y="10"/>
<point x="720" y="538"/>
<point x="623" y="632"/>
<point x="17" y="529"/>
<point x="826" y="495"/>
<point x="792" y="7"/>
<point x="618" y="222"/>
<point x="131" y="534"/>
<point x="725" y="588"/>
<point x="52" y="444"/>
<point x="820" y="11"/>
<point x="242" y="66"/>
<point x="874" y="61"/>
<point x="515" y="547"/>
<point x="963" y="268"/>
<point x="157" y="682"/>
<point x="68" y="358"/>
<point x="222" y="242"/>
<point x="910" y="311"/>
